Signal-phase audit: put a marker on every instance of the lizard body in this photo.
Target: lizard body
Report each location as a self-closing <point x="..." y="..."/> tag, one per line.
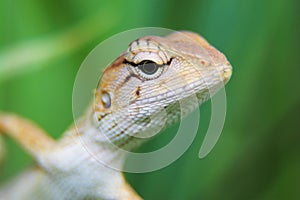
<point x="137" y="96"/>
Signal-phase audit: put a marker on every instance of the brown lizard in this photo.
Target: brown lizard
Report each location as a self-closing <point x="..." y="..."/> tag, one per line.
<point x="152" y="75"/>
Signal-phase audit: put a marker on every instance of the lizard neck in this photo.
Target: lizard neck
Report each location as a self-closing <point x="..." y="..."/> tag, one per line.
<point x="85" y="152"/>
<point x="121" y="130"/>
<point x="89" y="135"/>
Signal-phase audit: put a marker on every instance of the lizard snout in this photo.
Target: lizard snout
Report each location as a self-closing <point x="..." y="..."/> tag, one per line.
<point x="226" y="72"/>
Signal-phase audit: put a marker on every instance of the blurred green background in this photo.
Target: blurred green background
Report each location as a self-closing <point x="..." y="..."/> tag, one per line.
<point x="257" y="157"/>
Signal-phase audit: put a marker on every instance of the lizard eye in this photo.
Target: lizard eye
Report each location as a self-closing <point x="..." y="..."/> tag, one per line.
<point x="149" y="69"/>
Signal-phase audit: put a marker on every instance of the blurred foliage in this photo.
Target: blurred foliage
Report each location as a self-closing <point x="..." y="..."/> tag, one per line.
<point x="257" y="157"/>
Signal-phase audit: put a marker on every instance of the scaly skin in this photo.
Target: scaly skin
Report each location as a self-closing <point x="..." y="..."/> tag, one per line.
<point x="137" y="96"/>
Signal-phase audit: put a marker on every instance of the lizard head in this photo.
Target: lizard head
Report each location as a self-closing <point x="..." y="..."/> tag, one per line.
<point x="154" y="74"/>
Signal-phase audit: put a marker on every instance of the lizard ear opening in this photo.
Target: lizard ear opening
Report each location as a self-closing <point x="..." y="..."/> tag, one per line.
<point x="106" y="100"/>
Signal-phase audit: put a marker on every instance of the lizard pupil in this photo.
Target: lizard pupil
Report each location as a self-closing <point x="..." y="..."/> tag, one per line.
<point x="148" y="67"/>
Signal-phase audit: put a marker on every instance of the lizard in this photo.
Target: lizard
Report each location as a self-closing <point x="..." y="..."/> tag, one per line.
<point x="152" y="75"/>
